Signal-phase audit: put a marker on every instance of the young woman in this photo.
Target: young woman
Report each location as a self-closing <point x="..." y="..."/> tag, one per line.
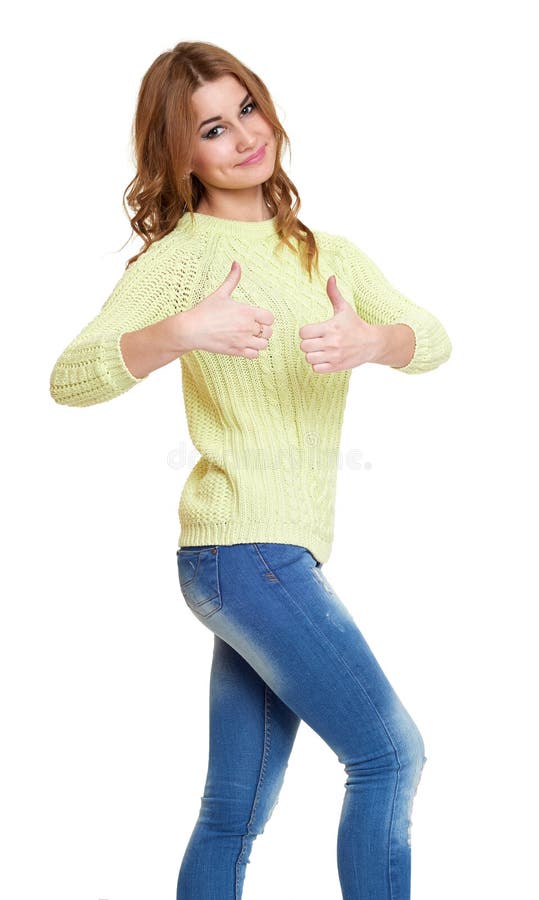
<point x="268" y="319"/>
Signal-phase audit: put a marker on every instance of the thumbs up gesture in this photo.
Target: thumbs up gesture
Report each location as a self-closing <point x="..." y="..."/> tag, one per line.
<point x="222" y="325"/>
<point x="339" y="343"/>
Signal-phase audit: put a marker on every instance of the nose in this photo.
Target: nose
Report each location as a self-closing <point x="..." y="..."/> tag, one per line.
<point x="245" y="140"/>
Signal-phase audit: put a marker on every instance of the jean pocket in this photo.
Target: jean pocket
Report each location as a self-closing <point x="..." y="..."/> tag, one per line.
<point x="277" y="556"/>
<point x="199" y="579"/>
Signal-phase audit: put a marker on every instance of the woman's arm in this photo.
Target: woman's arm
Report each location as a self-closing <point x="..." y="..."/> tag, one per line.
<point x="395" y="347"/>
<point x="155" y="346"/>
<point x="379" y="303"/>
<point x="157" y="286"/>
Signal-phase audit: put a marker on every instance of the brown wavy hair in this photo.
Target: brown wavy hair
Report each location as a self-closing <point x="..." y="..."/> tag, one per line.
<point x="163" y="138"/>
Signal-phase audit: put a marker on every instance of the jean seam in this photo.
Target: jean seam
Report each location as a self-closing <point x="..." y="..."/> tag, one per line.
<point x="391" y="828"/>
<point x="260" y="554"/>
<point x="261" y="776"/>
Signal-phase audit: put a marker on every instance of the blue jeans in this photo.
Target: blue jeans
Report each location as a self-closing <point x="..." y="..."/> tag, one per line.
<point x="286" y="649"/>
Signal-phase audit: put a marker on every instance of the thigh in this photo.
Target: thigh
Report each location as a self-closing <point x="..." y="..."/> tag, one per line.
<point x="274" y="606"/>
<point x="251" y="735"/>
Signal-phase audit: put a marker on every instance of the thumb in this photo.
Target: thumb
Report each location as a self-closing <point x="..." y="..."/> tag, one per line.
<point x="337" y="299"/>
<point x="231" y="279"/>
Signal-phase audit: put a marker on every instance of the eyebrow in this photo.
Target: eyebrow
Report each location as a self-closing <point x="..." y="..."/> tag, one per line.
<point x="216" y="118"/>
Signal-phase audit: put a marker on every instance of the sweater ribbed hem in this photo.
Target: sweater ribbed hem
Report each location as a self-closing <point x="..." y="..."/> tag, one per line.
<point x="262" y="532"/>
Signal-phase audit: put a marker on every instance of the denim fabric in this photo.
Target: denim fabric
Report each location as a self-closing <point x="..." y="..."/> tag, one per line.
<point x="286" y="649"/>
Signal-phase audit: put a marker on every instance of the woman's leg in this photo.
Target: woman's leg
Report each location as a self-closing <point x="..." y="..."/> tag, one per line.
<point x="272" y="604"/>
<point x="251" y="734"/>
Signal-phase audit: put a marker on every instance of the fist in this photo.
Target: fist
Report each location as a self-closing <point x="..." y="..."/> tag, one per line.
<point x="222" y="325"/>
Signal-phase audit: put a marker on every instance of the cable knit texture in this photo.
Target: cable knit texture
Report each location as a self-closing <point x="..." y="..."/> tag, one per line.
<point x="267" y="429"/>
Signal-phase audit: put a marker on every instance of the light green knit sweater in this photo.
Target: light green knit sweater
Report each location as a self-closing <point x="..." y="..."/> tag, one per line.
<point x="267" y="429"/>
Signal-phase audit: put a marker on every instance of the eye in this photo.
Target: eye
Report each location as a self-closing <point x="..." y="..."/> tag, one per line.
<point x="210" y="135"/>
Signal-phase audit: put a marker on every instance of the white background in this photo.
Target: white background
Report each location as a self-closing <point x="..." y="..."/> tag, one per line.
<point x="413" y="132"/>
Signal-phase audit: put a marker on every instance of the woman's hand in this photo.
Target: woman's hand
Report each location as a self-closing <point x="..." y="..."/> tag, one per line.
<point x="220" y="324"/>
<point x="342" y="342"/>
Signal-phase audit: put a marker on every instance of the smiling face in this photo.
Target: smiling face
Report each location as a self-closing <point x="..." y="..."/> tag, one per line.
<point x="237" y="130"/>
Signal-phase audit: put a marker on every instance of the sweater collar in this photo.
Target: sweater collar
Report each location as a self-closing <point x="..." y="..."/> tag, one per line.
<point x="203" y="223"/>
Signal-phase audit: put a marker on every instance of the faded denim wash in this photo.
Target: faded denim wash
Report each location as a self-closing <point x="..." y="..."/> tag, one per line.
<point x="286" y="649"/>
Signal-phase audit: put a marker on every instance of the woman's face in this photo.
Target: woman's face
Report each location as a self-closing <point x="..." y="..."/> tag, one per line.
<point x="239" y="130"/>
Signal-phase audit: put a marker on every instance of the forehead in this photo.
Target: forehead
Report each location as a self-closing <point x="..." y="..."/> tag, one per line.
<point x="216" y="96"/>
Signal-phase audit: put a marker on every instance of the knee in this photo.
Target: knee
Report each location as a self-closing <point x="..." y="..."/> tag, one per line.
<point x="404" y="744"/>
<point x="399" y="750"/>
<point x="412" y="759"/>
<point x="410" y="746"/>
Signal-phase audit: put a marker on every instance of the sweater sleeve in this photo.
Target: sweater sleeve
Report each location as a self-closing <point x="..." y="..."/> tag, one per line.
<point x="158" y="284"/>
<point x="379" y="303"/>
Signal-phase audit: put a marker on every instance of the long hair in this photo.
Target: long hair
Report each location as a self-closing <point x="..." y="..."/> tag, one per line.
<point x="163" y="138"/>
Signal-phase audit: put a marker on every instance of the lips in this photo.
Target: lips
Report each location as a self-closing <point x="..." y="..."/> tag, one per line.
<point x="254" y="157"/>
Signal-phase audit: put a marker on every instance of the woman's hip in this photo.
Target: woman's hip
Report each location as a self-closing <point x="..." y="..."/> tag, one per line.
<point x="273" y="605"/>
